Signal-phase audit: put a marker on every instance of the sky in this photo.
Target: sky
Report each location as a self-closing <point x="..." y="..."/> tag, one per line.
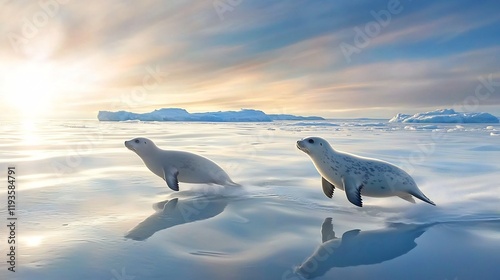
<point x="337" y="59"/>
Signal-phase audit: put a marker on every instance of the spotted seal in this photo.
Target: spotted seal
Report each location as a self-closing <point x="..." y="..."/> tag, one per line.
<point x="357" y="175"/>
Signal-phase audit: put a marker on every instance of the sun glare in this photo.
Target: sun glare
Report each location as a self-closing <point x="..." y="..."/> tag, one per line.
<point x="33" y="241"/>
<point x="30" y="89"/>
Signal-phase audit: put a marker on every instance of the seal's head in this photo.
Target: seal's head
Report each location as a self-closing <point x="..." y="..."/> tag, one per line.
<point x="313" y="145"/>
<point x="141" y="146"/>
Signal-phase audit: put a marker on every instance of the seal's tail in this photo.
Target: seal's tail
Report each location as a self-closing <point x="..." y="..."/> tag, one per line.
<point x="230" y="183"/>
<point x="418" y="194"/>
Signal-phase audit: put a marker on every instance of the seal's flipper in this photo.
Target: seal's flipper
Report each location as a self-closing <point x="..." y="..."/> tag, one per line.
<point x="327" y="232"/>
<point x="171" y="205"/>
<point x="327" y="187"/>
<point x="170" y="177"/>
<point x="353" y="191"/>
<point x="350" y="234"/>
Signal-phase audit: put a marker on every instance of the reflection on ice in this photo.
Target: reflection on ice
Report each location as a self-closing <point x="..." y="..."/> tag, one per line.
<point x="174" y="212"/>
<point x="357" y="247"/>
<point x="33" y="241"/>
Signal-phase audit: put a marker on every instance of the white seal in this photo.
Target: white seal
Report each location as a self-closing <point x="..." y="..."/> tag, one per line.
<point x="359" y="175"/>
<point x="178" y="166"/>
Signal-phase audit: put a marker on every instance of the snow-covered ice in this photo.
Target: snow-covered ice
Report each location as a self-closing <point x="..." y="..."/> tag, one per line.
<point x="445" y="116"/>
<point x="90" y="209"/>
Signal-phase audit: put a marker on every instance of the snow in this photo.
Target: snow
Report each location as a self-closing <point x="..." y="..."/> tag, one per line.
<point x="288" y="117"/>
<point x="445" y="116"/>
<point x="314" y="124"/>
<point x="366" y="124"/>
<point x="413" y="127"/>
<point x="90" y="209"/>
<point x="177" y="114"/>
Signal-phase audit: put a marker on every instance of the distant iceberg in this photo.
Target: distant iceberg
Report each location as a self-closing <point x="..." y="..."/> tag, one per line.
<point x="181" y="115"/>
<point x="445" y="116"/>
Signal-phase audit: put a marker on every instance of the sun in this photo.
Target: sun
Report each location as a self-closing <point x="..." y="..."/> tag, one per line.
<point x="29" y="89"/>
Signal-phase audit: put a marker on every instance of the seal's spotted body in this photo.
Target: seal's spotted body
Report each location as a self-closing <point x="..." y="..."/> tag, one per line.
<point x="358" y="175"/>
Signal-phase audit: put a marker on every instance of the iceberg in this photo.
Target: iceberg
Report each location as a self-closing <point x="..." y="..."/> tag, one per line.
<point x="181" y="115"/>
<point x="445" y="116"/>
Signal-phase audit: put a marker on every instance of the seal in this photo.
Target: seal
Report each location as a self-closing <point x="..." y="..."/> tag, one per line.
<point x="357" y="175"/>
<point x="178" y="166"/>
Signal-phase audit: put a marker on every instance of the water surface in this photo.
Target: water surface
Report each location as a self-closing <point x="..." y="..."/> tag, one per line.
<point x="89" y="208"/>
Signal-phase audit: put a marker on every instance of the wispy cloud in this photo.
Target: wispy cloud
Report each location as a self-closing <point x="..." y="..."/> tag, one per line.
<point x="271" y="55"/>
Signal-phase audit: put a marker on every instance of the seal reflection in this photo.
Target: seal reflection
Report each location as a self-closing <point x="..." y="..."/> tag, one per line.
<point x="357" y="247"/>
<point x="174" y="212"/>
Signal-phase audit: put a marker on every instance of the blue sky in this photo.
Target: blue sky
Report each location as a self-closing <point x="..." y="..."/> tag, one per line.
<point x="69" y="59"/>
